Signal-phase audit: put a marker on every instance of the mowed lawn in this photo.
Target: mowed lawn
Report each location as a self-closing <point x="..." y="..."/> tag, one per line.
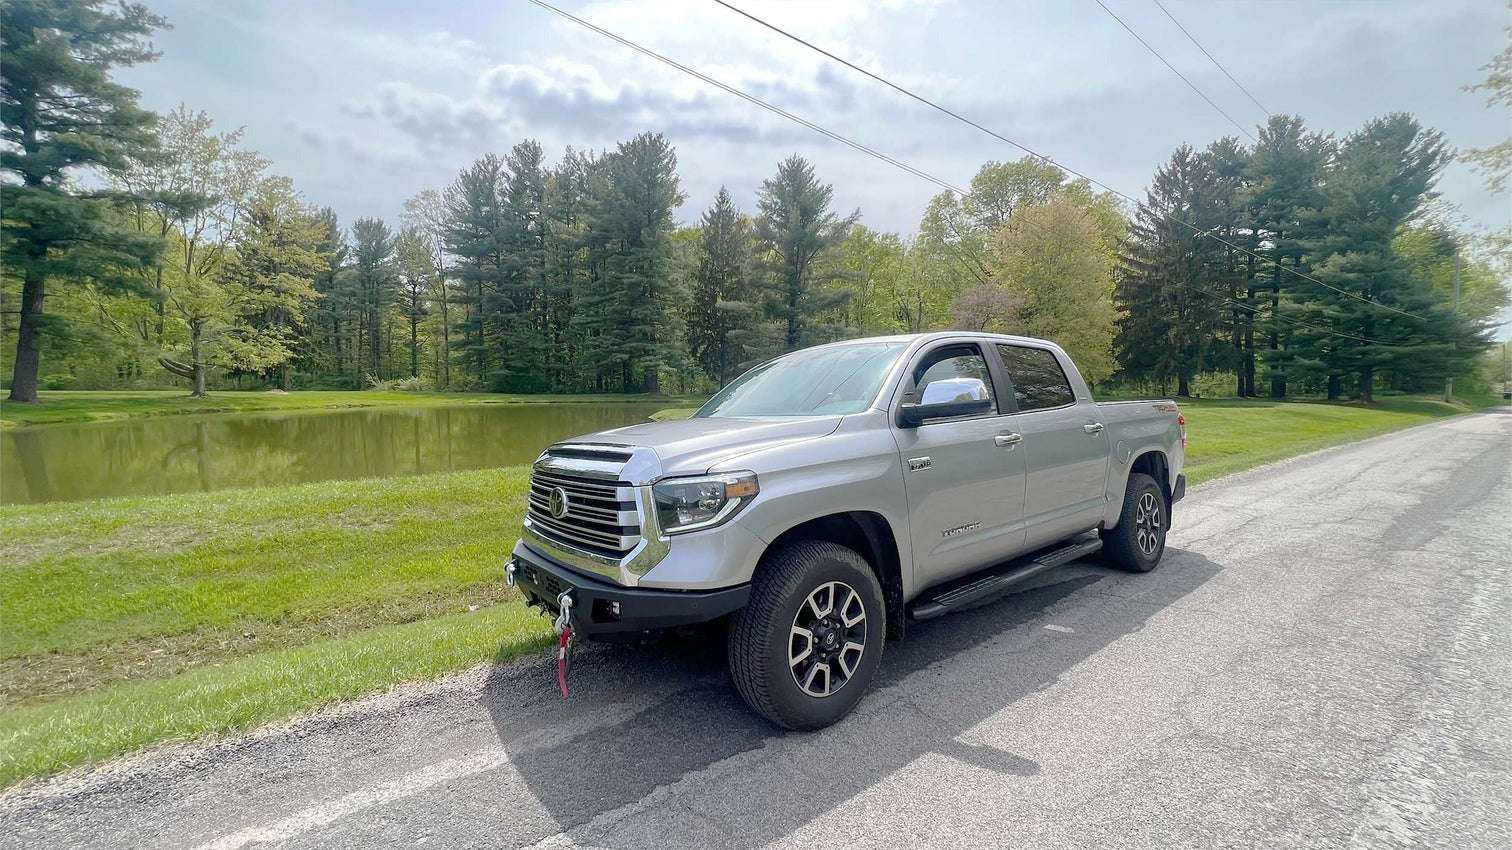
<point x="137" y="621"/>
<point x="95" y="406"/>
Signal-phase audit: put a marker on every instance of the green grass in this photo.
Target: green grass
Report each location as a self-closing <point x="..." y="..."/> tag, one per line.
<point x="1229" y="435"/>
<point x="138" y="621"/>
<point x="92" y="406"/>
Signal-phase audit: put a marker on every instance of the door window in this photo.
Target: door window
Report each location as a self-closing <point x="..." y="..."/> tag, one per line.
<point x="956" y="371"/>
<point x="1039" y="382"/>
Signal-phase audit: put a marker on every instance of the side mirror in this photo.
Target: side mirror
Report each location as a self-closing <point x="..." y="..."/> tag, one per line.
<point x="945" y="399"/>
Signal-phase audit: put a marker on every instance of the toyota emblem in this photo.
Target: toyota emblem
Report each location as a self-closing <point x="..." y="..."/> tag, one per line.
<point x="558" y="504"/>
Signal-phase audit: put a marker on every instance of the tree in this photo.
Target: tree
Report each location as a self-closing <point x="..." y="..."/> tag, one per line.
<point x="960" y="230"/>
<point x="275" y="266"/>
<point x="629" y="332"/>
<point x="63" y="114"/>
<point x="474" y="216"/>
<point x="425" y="217"/>
<point x="1495" y="161"/>
<point x="1052" y="262"/>
<point x="1366" y="312"/>
<point x="1281" y="195"/>
<point x="329" y="326"/>
<point x="416" y="283"/>
<point x="723" y="305"/>
<point x="376" y="285"/>
<point x="195" y="192"/>
<point x="1166" y="277"/>
<point x="797" y="229"/>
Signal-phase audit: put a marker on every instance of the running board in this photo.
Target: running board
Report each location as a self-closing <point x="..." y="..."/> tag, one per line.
<point x="962" y="592"/>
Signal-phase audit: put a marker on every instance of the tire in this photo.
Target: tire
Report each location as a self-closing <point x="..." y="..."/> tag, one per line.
<point x="1138" y="541"/>
<point x="789" y="594"/>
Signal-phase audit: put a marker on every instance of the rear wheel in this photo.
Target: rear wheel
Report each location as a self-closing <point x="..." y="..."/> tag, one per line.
<point x="1138" y="541"/>
<point x="806" y="647"/>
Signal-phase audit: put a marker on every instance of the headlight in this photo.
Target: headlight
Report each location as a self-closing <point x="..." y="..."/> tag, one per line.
<point x="688" y="504"/>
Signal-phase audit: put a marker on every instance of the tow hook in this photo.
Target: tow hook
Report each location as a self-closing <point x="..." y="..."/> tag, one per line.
<point x="509" y="573"/>
<point x="563" y="627"/>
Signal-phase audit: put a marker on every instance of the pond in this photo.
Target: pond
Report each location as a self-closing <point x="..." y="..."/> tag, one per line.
<point x="181" y="454"/>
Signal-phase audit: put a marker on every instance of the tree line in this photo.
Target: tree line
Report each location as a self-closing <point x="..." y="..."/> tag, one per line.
<point x="1303" y="263"/>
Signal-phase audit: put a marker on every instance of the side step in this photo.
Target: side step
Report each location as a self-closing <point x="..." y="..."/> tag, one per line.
<point x="962" y="592"/>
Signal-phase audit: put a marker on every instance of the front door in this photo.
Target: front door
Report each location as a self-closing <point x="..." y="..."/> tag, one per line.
<point x="964" y="476"/>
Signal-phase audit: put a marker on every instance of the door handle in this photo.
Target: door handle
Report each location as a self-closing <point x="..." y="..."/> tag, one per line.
<point x="1008" y="439"/>
<point x="1093" y="428"/>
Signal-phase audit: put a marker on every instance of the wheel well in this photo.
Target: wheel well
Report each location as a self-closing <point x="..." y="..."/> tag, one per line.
<point x="1154" y="464"/>
<point x="868" y="535"/>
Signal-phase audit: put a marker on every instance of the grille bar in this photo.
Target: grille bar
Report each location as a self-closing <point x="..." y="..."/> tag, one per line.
<point x="600" y="515"/>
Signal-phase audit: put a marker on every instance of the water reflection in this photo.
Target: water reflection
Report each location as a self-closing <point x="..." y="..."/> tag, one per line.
<point x="180" y="454"/>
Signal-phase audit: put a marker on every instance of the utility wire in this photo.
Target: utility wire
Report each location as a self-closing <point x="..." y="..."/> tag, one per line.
<point x="1215" y="62"/>
<point x="646" y="51"/>
<point x="1190" y="84"/>
<point x="1048" y="161"/>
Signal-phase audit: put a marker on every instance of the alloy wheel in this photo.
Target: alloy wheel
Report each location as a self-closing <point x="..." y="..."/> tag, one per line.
<point x="828" y="638"/>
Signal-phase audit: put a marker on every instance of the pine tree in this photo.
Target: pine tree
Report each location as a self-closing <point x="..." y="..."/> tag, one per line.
<point x="474" y="216"/>
<point x="796" y="227"/>
<point x="1169" y="275"/>
<point x="520" y="311"/>
<point x="376" y="284"/>
<point x="1282" y="191"/>
<point x="63" y="114"/>
<point x="1384" y="174"/>
<point x="722" y="291"/>
<point x="629" y="332"/>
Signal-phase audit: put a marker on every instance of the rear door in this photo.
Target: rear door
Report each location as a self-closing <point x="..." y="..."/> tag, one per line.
<point x="1065" y="446"/>
<point x="964" y="476"/>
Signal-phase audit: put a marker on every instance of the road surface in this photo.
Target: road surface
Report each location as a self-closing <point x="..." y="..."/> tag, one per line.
<point x="1324" y="659"/>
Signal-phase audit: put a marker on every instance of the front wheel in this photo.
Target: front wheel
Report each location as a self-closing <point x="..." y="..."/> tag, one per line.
<point x="1138" y="541"/>
<point x="806" y="647"/>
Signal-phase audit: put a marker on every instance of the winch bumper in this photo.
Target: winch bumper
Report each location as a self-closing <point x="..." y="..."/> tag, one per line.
<point x="602" y="609"/>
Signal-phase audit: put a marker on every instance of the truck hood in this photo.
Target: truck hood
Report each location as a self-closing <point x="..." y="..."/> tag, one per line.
<point x="691" y="446"/>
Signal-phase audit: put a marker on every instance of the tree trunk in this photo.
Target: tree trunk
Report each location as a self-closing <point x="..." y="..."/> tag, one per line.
<point x="1183" y="386"/>
<point x="286" y="382"/>
<point x="197" y="362"/>
<point x="653" y="381"/>
<point x="1367" y="384"/>
<point x="28" y="338"/>
<point x="1333" y="387"/>
<point x="414" y="347"/>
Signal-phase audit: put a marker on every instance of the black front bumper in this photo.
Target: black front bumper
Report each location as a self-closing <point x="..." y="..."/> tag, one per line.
<point x="600" y="608"/>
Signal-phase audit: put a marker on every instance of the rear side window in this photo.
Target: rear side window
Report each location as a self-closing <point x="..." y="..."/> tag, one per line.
<point x="1038" y="380"/>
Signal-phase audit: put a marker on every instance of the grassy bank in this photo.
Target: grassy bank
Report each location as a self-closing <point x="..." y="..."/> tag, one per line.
<point x="136" y="621"/>
<point x="91" y="406"/>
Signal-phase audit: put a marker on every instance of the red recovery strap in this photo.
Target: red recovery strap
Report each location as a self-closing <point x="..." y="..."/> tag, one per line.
<point x="562" y="661"/>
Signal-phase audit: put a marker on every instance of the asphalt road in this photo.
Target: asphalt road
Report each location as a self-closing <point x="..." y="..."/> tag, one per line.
<point x="1324" y="659"/>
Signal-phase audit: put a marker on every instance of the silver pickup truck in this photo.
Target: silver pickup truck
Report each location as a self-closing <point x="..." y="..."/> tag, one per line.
<point x="829" y="496"/>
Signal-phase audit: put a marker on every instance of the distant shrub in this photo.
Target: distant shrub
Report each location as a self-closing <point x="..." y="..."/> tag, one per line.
<point x="58" y="382"/>
<point x="399" y="385"/>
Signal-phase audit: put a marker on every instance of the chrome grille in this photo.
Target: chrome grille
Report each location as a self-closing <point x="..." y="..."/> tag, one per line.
<point x="600" y="518"/>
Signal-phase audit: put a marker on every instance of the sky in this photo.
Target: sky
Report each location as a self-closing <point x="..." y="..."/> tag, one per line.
<point x="364" y="103"/>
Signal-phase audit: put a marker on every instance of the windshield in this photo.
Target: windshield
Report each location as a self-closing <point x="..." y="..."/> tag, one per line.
<point x="817" y="382"/>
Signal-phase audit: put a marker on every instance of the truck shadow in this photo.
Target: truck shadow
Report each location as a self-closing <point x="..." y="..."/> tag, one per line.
<point x="698" y="719"/>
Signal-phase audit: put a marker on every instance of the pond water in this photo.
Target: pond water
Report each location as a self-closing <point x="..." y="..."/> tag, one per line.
<point x="180" y="454"/>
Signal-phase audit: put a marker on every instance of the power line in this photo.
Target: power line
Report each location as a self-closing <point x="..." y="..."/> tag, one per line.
<point x="1205" y="52"/>
<point x="646" y="51"/>
<point x="1191" y="85"/>
<point x="1048" y="161"/>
